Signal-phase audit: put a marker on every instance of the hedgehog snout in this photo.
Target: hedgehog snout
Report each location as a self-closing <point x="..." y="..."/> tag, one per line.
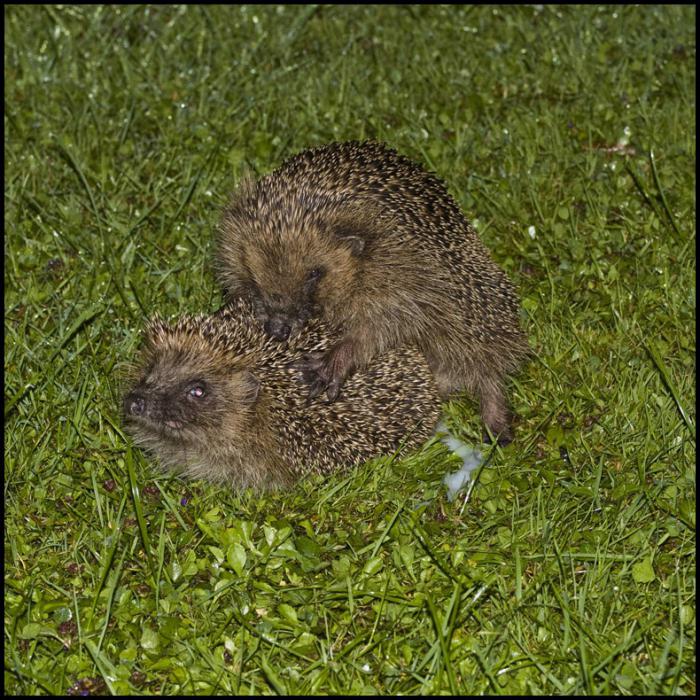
<point x="134" y="404"/>
<point x="278" y="327"/>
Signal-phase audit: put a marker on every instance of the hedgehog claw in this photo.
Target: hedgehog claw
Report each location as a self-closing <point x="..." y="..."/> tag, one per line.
<point x="315" y="373"/>
<point x="333" y="390"/>
<point x="325" y="371"/>
<point x="316" y="389"/>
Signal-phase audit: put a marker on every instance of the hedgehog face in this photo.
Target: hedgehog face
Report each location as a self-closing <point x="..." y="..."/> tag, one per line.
<point x="181" y="404"/>
<point x="302" y="277"/>
<point x="173" y="405"/>
<point x="283" y="308"/>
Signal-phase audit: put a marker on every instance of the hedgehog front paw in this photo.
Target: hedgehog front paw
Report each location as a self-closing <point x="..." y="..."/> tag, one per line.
<point x="326" y="371"/>
<point x="316" y="371"/>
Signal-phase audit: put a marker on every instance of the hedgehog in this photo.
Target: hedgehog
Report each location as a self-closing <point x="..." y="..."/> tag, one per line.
<point x="216" y="397"/>
<point x="369" y="241"/>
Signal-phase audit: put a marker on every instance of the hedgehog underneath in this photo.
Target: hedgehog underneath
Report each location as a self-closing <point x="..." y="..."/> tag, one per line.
<point x="217" y="398"/>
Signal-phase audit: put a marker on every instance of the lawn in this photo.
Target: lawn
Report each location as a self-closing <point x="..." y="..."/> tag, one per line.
<point x="567" y="134"/>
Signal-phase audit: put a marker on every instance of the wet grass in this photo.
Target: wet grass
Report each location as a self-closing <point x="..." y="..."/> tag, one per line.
<point x="569" y="567"/>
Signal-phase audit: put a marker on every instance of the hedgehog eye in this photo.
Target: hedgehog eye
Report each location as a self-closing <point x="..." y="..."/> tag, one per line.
<point x="196" y="390"/>
<point x="312" y="278"/>
<point x="315" y="274"/>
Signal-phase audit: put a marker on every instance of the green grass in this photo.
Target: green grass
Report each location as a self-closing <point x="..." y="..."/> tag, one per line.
<point x="568" y="568"/>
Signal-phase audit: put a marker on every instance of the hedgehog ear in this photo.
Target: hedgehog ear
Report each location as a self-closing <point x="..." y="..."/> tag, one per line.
<point x="251" y="387"/>
<point x="356" y="245"/>
<point x="352" y="236"/>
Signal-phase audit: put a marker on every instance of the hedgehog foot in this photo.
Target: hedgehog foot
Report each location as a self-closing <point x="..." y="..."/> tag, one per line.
<point x="327" y="371"/>
<point x="503" y="438"/>
<point x="496" y="416"/>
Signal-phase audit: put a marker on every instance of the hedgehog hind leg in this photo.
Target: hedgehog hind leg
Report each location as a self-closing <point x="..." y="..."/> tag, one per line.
<point x="481" y="380"/>
<point x="495" y="413"/>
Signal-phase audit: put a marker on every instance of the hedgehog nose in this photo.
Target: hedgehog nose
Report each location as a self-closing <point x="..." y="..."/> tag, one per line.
<point x="134" y="404"/>
<point x="278" y="328"/>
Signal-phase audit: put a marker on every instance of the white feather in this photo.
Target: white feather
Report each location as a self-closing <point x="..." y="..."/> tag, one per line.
<point x="471" y="459"/>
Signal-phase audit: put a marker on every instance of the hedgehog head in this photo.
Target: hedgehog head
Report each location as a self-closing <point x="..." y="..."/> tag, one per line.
<point x="293" y="257"/>
<point x="190" y="389"/>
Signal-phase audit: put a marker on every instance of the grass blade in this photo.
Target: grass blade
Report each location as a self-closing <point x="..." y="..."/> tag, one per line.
<point x="138" y="508"/>
<point x="652" y="160"/>
<point x="670" y="385"/>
